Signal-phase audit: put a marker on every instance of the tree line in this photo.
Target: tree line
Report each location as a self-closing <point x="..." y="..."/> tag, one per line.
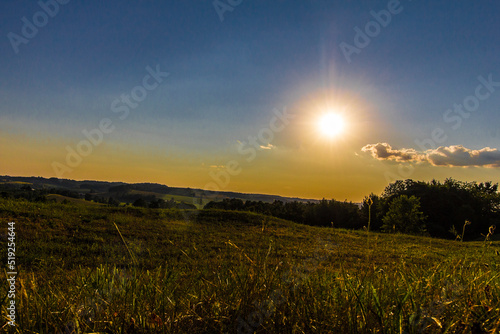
<point x="438" y="209"/>
<point x="324" y="213"/>
<point x="443" y="207"/>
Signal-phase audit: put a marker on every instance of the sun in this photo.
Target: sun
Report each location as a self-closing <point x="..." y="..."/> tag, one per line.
<point x="331" y="125"/>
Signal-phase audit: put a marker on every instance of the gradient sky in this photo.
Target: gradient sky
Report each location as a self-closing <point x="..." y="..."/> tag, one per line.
<point x="231" y="70"/>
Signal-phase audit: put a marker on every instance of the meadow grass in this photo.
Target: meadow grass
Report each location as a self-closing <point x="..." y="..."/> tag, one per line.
<point x="128" y="270"/>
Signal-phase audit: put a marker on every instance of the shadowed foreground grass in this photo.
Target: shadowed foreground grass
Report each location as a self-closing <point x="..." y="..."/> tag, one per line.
<point x="229" y="272"/>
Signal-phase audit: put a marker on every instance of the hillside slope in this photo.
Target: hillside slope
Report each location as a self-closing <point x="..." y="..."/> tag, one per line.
<point x="134" y="269"/>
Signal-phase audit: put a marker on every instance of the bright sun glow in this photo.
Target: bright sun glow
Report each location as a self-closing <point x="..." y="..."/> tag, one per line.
<point x="331" y="125"/>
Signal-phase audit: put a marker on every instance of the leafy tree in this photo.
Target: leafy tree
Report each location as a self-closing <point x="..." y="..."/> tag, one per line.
<point x="160" y="203"/>
<point x="450" y="203"/>
<point x="140" y="202"/>
<point x="404" y="215"/>
<point x="26" y="187"/>
<point x="113" y="202"/>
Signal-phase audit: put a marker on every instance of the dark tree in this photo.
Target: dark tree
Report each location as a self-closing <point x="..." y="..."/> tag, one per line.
<point x="113" y="202"/>
<point x="140" y="202"/>
<point x="404" y="216"/>
<point x="450" y="204"/>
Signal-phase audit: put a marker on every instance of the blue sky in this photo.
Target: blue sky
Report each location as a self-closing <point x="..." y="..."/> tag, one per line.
<point x="226" y="78"/>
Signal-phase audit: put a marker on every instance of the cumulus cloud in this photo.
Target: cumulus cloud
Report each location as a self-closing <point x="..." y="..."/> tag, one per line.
<point x="457" y="155"/>
<point x="450" y="156"/>
<point x="384" y="151"/>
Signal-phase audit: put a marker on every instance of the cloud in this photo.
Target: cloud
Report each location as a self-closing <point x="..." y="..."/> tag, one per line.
<point x="384" y="151"/>
<point x="451" y="156"/>
<point x="459" y="156"/>
<point x="267" y="147"/>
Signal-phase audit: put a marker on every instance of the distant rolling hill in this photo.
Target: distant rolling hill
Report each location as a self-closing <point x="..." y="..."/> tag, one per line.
<point x="61" y="198"/>
<point x="128" y="193"/>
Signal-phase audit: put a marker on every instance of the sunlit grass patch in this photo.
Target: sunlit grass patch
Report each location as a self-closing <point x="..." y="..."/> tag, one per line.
<point x="240" y="273"/>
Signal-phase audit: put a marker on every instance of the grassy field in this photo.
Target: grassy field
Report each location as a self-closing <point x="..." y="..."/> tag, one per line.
<point x="60" y="198"/>
<point x="197" y="201"/>
<point x="96" y="269"/>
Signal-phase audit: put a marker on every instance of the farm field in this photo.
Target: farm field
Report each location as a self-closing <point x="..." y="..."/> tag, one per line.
<point x="97" y="269"/>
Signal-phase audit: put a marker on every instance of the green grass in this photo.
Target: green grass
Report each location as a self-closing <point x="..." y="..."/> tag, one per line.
<point x="187" y="199"/>
<point x="60" y="198"/>
<point x="15" y="182"/>
<point x="229" y="272"/>
<point x="177" y="198"/>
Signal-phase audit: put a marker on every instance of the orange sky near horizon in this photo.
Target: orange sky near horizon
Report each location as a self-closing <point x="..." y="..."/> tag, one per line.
<point x="298" y="161"/>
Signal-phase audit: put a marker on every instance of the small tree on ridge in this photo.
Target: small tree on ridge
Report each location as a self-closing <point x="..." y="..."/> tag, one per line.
<point x="404" y="216"/>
